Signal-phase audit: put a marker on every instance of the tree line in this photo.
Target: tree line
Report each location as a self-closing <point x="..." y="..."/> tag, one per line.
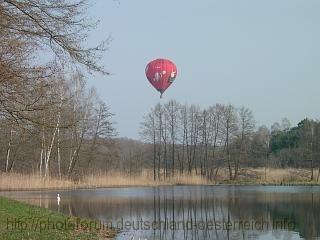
<point x="191" y="139"/>
<point x="50" y="122"/>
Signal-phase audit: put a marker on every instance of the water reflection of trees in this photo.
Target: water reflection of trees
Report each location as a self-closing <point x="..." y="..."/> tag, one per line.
<point x="168" y="206"/>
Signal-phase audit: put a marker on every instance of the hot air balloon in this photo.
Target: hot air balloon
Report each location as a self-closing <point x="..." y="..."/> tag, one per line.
<point x="161" y="73"/>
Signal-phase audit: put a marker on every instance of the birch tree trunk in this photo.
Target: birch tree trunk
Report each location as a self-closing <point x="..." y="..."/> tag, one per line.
<point x="9" y="150"/>
<point x="42" y="153"/>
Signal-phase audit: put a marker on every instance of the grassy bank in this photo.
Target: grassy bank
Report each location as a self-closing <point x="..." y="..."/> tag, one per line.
<point x="22" y="221"/>
<point x="275" y="176"/>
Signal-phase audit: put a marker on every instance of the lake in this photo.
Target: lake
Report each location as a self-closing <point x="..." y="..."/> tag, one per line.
<point x="192" y="212"/>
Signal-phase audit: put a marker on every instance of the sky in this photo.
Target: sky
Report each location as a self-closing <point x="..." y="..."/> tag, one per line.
<point x="264" y="55"/>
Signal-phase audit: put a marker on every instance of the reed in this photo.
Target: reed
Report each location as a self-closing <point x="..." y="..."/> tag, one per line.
<point x="145" y="178"/>
<point x="17" y="181"/>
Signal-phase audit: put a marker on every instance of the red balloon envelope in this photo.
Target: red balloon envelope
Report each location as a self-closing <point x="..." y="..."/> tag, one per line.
<point x="161" y="74"/>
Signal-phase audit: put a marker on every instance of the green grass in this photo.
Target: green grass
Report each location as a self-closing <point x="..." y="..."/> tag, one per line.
<point x="20" y="221"/>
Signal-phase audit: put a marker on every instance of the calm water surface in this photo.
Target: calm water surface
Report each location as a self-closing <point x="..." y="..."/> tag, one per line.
<point x="193" y="212"/>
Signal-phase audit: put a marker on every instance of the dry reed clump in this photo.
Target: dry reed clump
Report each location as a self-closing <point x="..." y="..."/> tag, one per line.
<point x="279" y="175"/>
<point x="189" y="180"/>
<point x="145" y="178"/>
<point x="18" y="181"/>
<point x="290" y="175"/>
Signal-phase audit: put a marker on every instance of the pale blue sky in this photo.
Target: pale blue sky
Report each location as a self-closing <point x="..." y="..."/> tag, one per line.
<point x="264" y="55"/>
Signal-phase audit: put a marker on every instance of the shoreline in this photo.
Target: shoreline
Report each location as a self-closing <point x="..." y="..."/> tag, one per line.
<point x="288" y="184"/>
<point x="247" y="177"/>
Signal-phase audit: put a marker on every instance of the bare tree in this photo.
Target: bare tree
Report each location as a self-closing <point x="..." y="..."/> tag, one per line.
<point x="61" y="26"/>
<point x="149" y="133"/>
<point x="184" y="113"/>
<point x="102" y="127"/>
<point x="216" y="113"/>
<point x="246" y="128"/>
<point x="263" y="135"/>
<point x="229" y="121"/>
<point x="171" y="113"/>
